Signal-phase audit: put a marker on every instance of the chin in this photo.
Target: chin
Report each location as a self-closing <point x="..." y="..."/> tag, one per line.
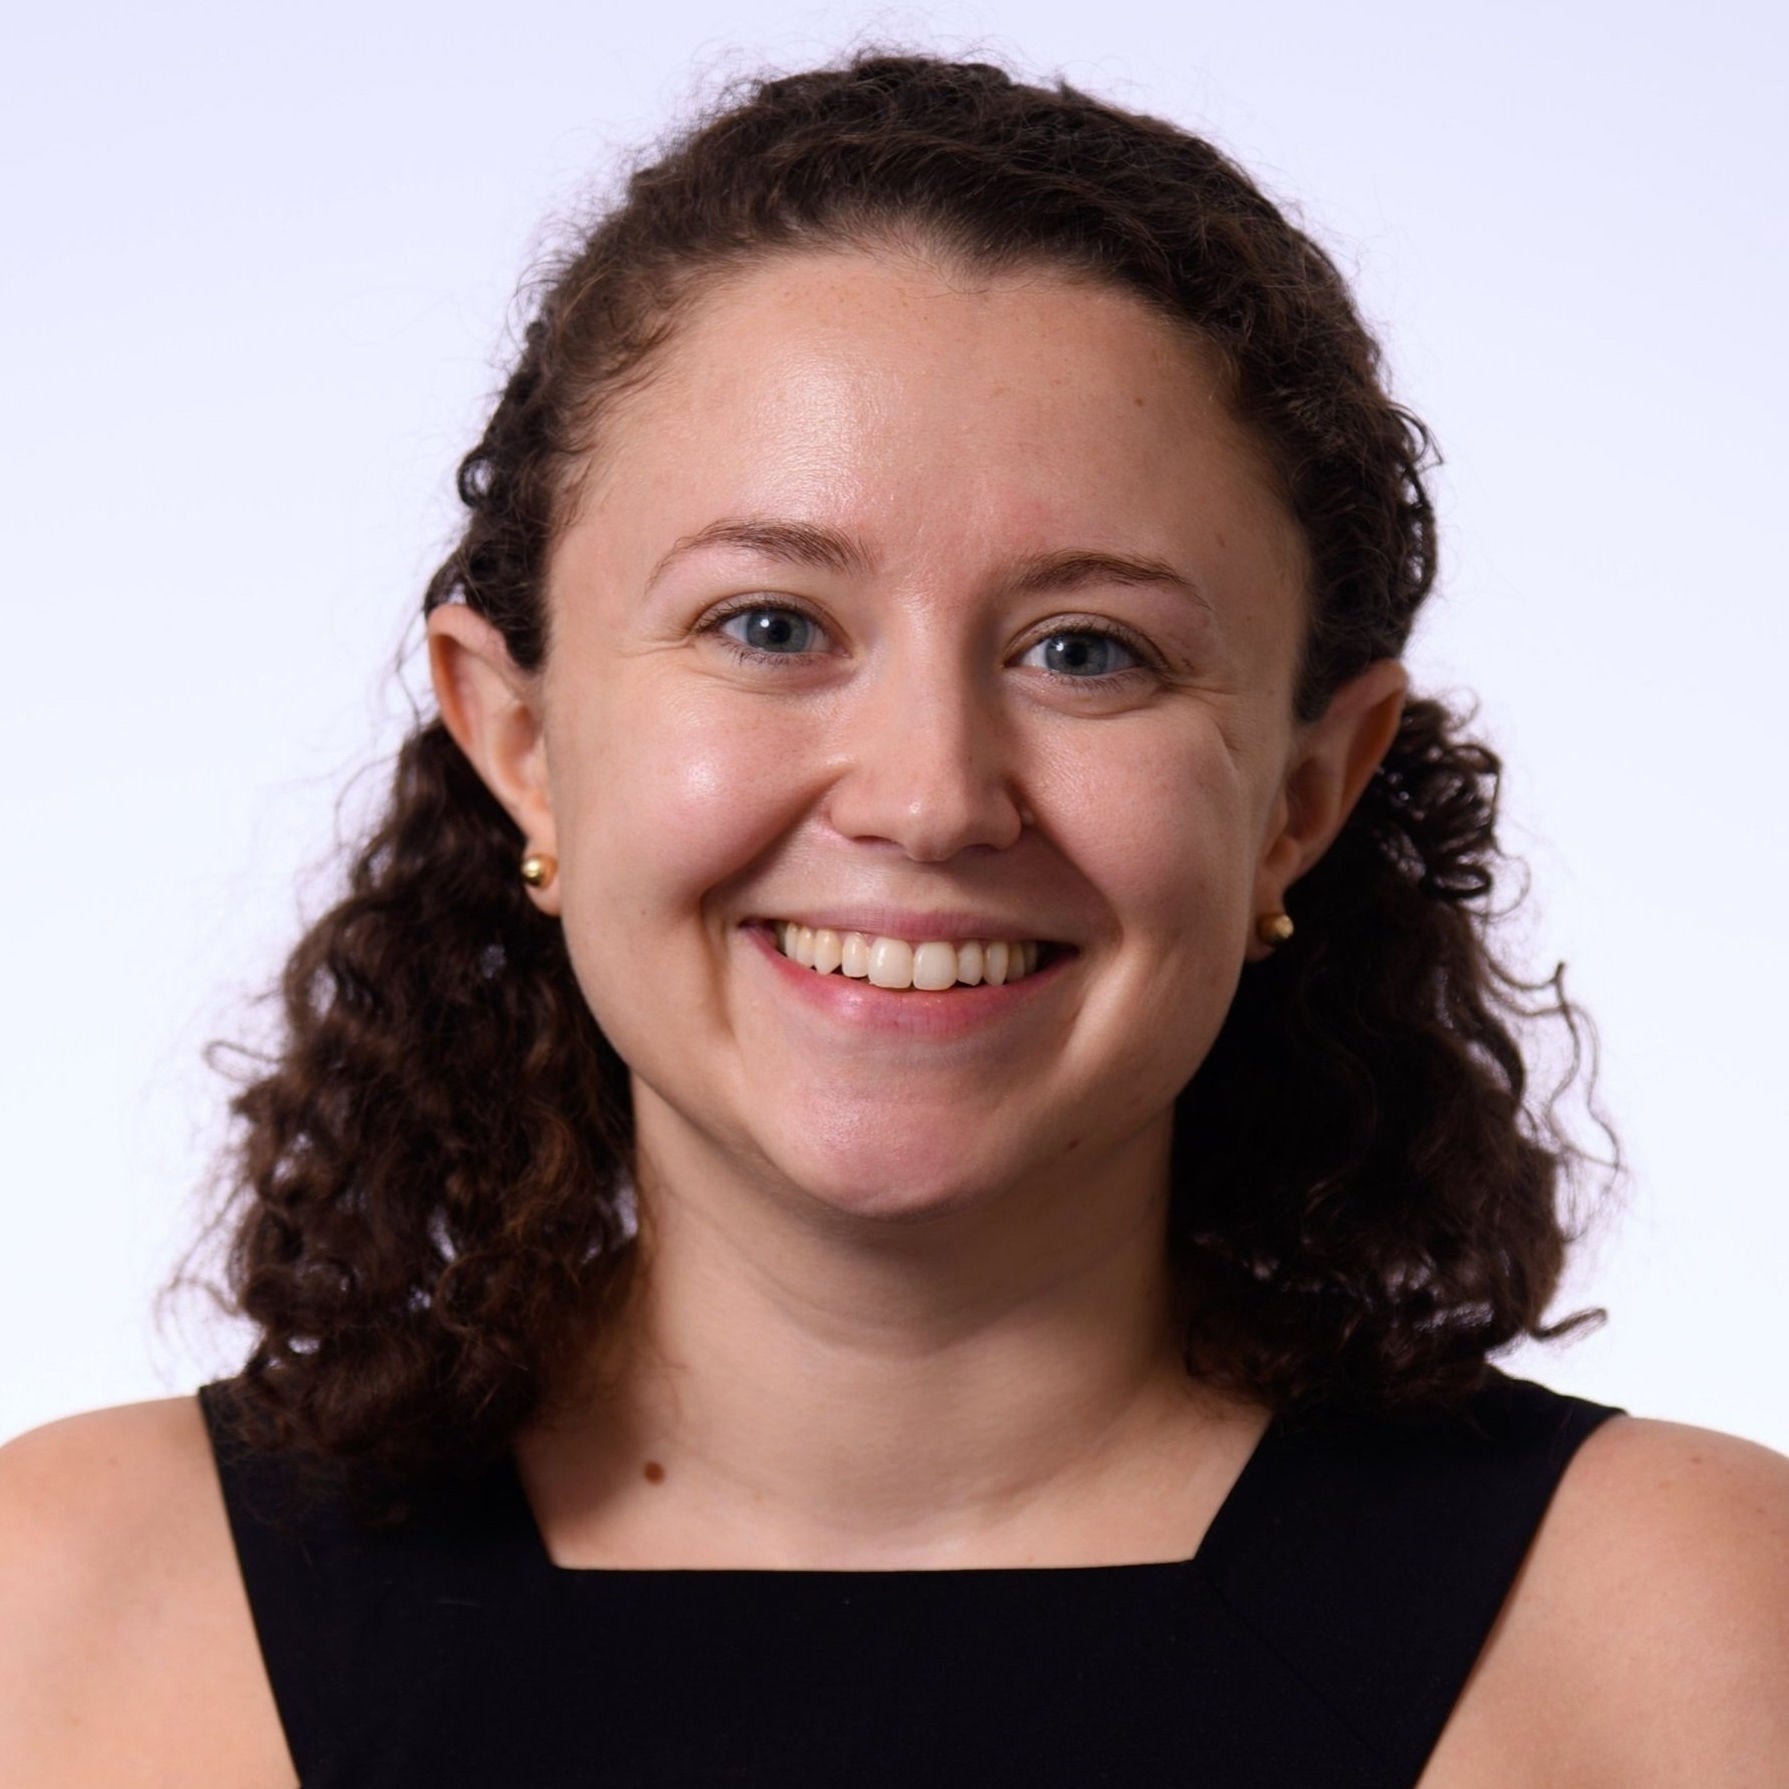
<point x="913" y="1181"/>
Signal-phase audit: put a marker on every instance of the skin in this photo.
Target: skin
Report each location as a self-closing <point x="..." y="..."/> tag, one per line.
<point x="905" y="1299"/>
<point x="912" y="1229"/>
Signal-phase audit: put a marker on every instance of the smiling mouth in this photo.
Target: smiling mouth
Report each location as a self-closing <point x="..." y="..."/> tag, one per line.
<point x="897" y="963"/>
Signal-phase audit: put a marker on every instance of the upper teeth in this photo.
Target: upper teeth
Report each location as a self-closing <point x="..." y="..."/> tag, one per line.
<point x="894" y="963"/>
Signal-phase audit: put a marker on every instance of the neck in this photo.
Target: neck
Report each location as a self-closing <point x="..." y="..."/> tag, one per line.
<point x="1001" y="1384"/>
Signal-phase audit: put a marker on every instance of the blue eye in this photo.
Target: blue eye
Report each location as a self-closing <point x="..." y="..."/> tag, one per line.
<point x="771" y="631"/>
<point x="1083" y="653"/>
<point x="777" y="633"/>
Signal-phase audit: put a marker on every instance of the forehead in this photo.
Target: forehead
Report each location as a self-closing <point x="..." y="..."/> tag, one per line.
<point x="944" y="416"/>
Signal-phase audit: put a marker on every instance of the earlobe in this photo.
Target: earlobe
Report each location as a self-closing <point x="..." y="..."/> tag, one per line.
<point x="492" y="709"/>
<point x="1333" y="760"/>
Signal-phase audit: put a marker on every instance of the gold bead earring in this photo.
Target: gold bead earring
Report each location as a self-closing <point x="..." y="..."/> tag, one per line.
<point x="538" y="869"/>
<point x="1274" y="928"/>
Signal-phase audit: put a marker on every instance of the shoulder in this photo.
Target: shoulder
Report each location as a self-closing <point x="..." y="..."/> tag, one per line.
<point x="128" y="1654"/>
<point x="81" y="1462"/>
<point x="1675" y="1555"/>
<point x="95" y="1506"/>
<point x="1679" y="1537"/>
<point x="1646" y="1640"/>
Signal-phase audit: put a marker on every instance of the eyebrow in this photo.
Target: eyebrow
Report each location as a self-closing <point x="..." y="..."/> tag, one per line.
<point x="799" y="543"/>
<point x="827" y="549"/>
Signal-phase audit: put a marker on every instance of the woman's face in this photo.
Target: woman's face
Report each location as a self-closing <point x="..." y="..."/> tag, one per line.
<point x="930" y="607"/>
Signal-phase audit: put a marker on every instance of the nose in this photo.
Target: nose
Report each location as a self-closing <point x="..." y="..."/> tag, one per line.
<point x="926" y="759"/>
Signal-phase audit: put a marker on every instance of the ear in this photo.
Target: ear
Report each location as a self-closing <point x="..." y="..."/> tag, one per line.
<point x="492" y="708"/>
<point x="1331" y="761"/>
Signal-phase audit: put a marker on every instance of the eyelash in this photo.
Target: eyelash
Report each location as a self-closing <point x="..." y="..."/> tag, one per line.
<point x="1148" y="666"/>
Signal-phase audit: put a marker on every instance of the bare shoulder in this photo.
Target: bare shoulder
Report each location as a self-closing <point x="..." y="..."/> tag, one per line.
<point x="127" y="1651"/>
<point x="1646" y="1641"/>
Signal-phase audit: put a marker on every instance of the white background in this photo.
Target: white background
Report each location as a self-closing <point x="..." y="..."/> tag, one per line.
<point x="257" y="272"/>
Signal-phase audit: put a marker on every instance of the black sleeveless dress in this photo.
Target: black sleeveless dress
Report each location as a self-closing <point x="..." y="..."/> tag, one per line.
<point x="1317" y="1639"/>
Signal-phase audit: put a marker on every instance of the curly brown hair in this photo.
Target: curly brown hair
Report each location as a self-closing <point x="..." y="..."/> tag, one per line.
<point x="428" y="1204"/>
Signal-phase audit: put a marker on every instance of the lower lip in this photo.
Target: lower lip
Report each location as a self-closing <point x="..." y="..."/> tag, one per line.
<point x="905" y="1012"/>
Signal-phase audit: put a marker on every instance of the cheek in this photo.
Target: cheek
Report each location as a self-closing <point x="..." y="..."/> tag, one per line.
<point x="1165" y="822"/>
<point x="1172" y="850"/>
<point x="662" y="797"/>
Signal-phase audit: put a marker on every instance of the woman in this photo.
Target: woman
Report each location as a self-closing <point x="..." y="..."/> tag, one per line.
<point x="905" y="1153"/>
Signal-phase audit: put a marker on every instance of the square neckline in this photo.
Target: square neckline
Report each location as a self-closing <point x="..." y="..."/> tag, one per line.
<point x="520" y="1515"/>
